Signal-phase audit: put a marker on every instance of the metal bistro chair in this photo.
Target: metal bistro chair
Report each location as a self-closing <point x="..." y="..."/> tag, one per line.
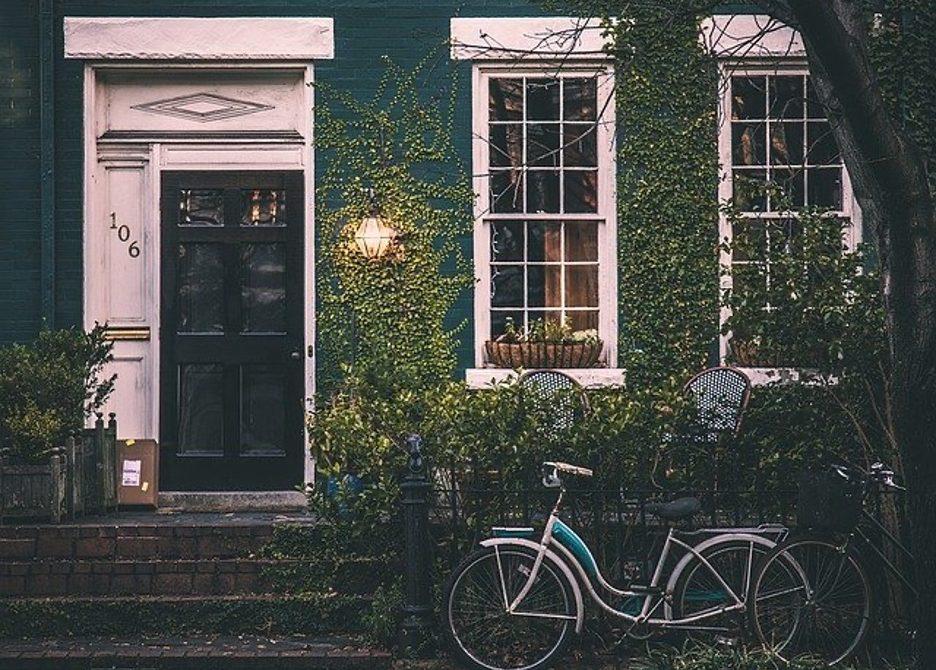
<point x="720" y="396"/>
<point x="570" y="403"/>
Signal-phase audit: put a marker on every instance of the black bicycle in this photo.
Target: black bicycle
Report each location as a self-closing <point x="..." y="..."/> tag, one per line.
<point x="813" y="593"/>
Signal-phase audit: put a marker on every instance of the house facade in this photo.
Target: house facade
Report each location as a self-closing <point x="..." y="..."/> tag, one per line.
<point x="162" y="156"/>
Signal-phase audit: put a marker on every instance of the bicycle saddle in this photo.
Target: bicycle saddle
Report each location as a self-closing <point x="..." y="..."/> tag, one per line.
<point x="675" y="510"/>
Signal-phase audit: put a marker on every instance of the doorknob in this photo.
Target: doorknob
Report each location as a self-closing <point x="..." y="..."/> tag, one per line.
<point x="296" y="356"/>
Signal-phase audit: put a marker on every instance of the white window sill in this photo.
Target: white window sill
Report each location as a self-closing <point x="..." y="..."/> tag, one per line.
<point x="765" y="376"/>
<point x="479" y="378"/>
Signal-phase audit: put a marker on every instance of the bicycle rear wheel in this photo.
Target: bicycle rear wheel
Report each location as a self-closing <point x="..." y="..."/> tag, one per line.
<point x="700" y="594"/>
<point x="480" y="630"/>
<point x="812" y="596"/>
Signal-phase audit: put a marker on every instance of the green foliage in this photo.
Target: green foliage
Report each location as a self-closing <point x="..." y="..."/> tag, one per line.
<point x="704" y="657"/>
<point x="49" y="387"/>
<point x="388" y="315"/>
<point x="547" y="330"/>
<point x="668" y="176"/>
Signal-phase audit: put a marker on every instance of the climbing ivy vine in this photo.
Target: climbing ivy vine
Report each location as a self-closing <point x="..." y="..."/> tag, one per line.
<point x="385" y="317"/>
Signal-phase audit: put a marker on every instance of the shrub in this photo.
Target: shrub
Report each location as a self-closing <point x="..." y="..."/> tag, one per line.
<point x="49" y="387"/>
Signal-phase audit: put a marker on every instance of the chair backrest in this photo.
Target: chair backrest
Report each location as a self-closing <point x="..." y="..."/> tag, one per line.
<point x="569" y="403"/>
<point x="721" y="395"/>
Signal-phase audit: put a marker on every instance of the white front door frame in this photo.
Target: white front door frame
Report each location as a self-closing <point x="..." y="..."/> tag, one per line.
<point x="122" y="176"/>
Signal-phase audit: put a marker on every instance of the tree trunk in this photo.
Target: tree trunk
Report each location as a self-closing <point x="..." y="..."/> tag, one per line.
<point x="889" y="176"/>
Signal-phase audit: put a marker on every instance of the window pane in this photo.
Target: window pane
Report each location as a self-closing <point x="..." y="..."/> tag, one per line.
<point x="748" y="143"/>
<point x="825" y="187"/>
<point x="506" y="241"/>
<point x="263" y="288"/>
<point x="583" y="320"/>
<point x="748" y="97"/>
<point x="581" y="286"/>
<point x="505" y="148"/>
<point x="505" y="99"/>
<point x="787" y="97"/>
<point x="748" y="190"/>
<point x="580" y="145"/>
<point x="200" y="292"/>
<point x="263" y="207"/>
<point x="786" y="143"/>
<point x="201" y="409"/>
<point x="263" y="414"/>
<point x="581" y="241"/>
<point x="542" y="99"/>
<point x="543" y="144"/>
<point x="814" y="108"/>
<point x="506" y="191"/>
<point x="544" y="285"/>
<point x="581" y="191"/>
<point x="201" y="207"/>
<point x="580" y="99"/>
<point x="507" y="286"/>
<point x="792" y="193"/>
<point x="542" y="191"/>
<point x="543" y="241"/>
<point x="749" y="240"/>
<point x="823" y="148"/>
<point x="499" y="321"/>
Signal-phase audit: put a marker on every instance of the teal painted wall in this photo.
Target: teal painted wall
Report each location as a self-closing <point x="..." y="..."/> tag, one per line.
<point x="364" y="31"/>
<point x="19" y="170"/>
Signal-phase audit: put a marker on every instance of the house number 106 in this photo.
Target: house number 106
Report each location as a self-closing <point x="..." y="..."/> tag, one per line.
<point x="123" y="234"/>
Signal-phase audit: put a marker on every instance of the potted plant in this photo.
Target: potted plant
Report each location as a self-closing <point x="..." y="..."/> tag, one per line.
<point x="50" y="464"/>
<point x="544" y="344"/>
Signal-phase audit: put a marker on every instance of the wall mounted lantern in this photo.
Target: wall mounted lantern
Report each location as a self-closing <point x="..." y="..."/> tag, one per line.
<point x="374" y="236"/>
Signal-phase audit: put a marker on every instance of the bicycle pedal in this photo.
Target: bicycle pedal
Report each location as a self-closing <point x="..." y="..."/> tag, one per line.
<point x="727" y="642"/>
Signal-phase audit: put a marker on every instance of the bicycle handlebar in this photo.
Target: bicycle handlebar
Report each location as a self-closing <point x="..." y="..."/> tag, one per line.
<point x="878" y="474"/>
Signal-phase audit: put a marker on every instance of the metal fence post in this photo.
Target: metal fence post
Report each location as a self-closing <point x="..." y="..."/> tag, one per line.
<point x="417" y="602"/>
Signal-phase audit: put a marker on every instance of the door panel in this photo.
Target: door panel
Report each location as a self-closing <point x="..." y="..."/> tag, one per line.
<point x="232" y="331"/>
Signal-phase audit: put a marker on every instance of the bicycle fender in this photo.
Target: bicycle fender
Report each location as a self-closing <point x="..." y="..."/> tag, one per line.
<point x="558" y="562"/>
<point x="702" y="546"/>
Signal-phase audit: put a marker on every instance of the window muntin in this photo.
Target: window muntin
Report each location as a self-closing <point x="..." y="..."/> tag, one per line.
<point x="780" y="136"/>
<point x="545" y="215"/>
<point x="779" y="155"/>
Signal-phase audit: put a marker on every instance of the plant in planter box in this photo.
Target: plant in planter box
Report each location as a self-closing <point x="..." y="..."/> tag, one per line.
<point x="545" y="343"/>
<point x="48" y="388"/>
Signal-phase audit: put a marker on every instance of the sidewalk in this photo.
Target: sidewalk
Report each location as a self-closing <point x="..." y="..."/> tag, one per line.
<point x="247" y="652"/>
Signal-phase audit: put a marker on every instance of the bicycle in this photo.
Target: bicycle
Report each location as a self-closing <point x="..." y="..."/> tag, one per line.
<point x="514" y="603"/>
<point x="813" y="593"/>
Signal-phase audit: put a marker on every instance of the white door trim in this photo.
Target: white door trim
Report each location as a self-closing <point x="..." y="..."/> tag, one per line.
<point x="150" y="154"/>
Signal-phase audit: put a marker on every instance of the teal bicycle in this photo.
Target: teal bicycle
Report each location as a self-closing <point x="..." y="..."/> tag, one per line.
<point x="515" y="603"/>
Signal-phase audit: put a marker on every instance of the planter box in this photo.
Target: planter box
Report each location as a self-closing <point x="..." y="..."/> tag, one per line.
<point x="530" y="355"/>
<point x="35" y="490"/>
<point x="79" y="478"/>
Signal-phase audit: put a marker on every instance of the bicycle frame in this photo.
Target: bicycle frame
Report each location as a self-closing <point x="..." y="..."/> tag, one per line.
<point x="561" y="544"/>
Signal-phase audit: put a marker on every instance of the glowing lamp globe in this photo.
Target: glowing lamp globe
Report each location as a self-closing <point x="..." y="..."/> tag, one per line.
<point x="374" y="237"/>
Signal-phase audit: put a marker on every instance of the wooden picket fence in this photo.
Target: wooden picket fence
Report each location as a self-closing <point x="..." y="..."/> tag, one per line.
<point x="79" y="478"/>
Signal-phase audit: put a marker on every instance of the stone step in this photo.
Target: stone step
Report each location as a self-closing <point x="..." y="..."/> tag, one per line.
<point x="141" y="577"/>
<point x="100" y="541"/>
<point x="64" y="616"/>
<point x="191" y="653"/>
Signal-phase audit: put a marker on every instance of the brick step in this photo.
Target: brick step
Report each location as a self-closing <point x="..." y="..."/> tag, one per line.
<point x="88" y="541"/>
<point x="141" y="577"/>
<point x="310" y="614"/>
<point x="191" y="653"/>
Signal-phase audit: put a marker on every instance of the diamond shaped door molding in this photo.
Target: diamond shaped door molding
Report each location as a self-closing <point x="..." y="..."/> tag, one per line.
<point x="202" y="107"/>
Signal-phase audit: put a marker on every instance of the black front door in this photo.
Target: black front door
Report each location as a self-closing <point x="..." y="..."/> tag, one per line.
<point x="231" y="337"/>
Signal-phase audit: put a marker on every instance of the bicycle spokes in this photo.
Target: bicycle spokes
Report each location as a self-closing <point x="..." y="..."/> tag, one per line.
<point x="485" y="629"/>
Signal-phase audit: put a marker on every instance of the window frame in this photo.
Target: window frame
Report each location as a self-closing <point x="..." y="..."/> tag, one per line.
<point x="851" y="234"/>
<point x="605" y="216"/>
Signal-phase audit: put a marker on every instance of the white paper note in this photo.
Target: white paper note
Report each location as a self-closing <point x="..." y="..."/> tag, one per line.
<point x="131" y="473"/>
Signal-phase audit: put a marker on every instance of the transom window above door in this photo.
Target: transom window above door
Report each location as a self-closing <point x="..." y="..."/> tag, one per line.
<point x="543" y="165"/>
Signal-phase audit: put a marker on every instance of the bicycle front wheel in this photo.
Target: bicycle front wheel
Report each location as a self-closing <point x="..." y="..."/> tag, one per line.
<point x="484" y="635"/>
<point x="811" y="596"/>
